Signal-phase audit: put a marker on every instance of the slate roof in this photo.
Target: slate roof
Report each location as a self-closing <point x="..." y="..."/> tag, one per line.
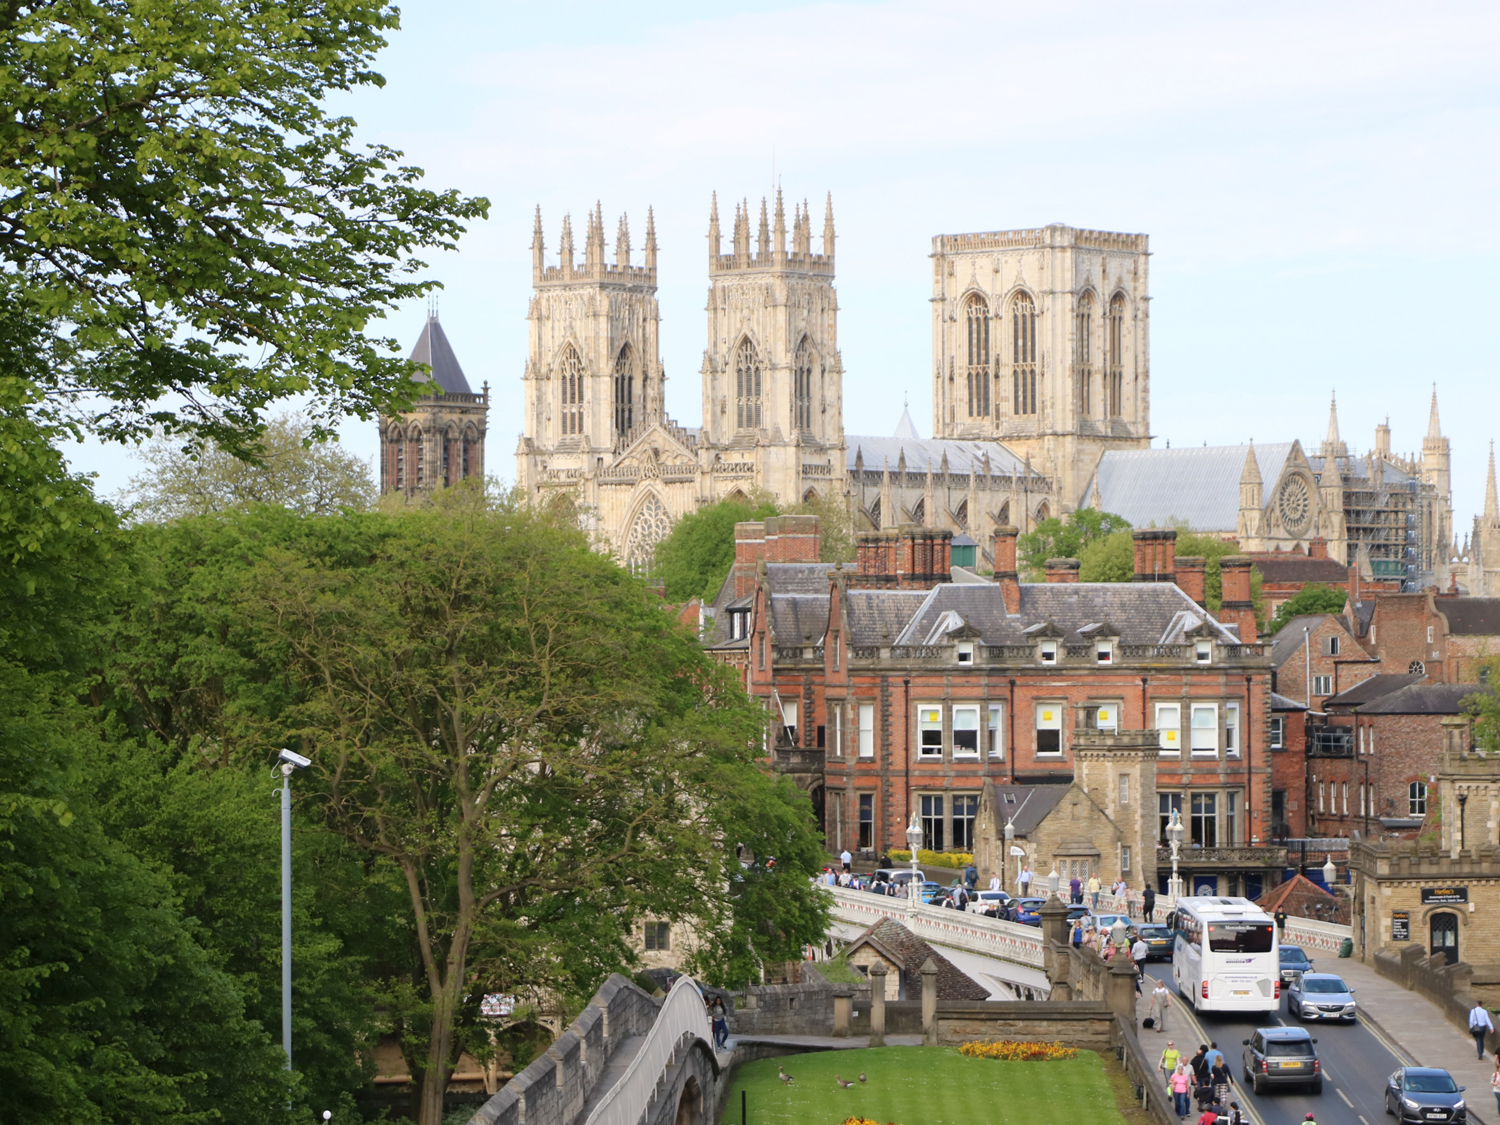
<point x="1372" y="689"/>
<point x="911" y="953"/>
<point x="1287" y="568"/>
<point x="875" y="615"/>
<point x="1423" y="699"/>
<point x="799" y="618"/>
<point x="963" y="456"/>
<point x="1199" y="484"/>
<point x="1136" y="613"/>
<point x="1472" y="617"/>
<point x="434" y="350"/>
<point x="1026" y="806"/>
<point x="1288" y="641"/>
<point x="1282" y="703"/>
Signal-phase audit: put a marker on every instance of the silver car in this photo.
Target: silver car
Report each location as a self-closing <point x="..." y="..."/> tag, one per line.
<point x="1319" y="996"/>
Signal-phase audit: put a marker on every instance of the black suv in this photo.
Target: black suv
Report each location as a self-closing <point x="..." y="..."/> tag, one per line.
<point x="1282" y="1056"/>
<point x="1424" y="1093"/>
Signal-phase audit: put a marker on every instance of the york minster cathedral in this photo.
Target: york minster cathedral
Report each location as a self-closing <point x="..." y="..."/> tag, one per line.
<point x="1041" y="404"/>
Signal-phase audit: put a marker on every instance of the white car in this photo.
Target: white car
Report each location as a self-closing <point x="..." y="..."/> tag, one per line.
<point x="980" y="901"/>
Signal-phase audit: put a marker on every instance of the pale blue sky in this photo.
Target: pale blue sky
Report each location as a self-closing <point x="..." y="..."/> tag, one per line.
<point x="1318" y="181"/>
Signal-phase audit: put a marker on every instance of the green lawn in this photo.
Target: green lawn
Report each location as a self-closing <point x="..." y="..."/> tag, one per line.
<point x="923" y="1086"/>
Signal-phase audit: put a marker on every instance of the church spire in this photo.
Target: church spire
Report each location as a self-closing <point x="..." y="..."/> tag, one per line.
<point x="1434" y="427"/>
<point x="538" y="248"/>
<point x="1333" y="447"/>
<point x="713" y="232"/>
<point x="593" y="250"/>
<point x="742" y="231"/>
<point x="780" y="229"/>
<point x="650" y="239"/>
<point x="565" y="246"/>
<point x="1491" y="507"/>
<point x="622" y="242"/>
<point x="828" y="228"/>
<point x="763" y="243"/>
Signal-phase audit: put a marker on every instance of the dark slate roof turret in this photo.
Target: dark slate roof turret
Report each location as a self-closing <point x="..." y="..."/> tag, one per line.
<point x="434" y="350"/>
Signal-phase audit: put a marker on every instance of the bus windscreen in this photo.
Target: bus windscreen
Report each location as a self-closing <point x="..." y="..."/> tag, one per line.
<point x="1240" y="937"/>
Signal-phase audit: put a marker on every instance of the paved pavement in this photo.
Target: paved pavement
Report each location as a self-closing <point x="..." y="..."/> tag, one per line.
<point x="1396" y="1028"/>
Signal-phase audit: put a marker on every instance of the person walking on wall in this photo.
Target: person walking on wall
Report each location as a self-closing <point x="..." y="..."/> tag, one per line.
<point x="1161" y="998"/>
<point x="1480" y="1025"/>
<point x="1148" y="904"/>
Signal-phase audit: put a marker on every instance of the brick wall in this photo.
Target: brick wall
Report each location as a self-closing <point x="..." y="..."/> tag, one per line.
<point x="1406" y="629"/>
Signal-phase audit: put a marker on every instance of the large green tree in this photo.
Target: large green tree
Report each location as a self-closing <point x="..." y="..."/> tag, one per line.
<point x="1312" y="598"/>
<point x="510" y="722"/>
<point x="1065" y="537"/>
<point x="694" y="558"/>
<point x="198" y="235"/>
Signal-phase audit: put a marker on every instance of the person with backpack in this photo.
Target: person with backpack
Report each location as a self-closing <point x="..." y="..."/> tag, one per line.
<point x="1148" y="904"/>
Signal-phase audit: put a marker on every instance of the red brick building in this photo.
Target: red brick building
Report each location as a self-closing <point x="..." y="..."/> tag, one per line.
<point x="900" y="686"/>
<point x="1446" y="637"/>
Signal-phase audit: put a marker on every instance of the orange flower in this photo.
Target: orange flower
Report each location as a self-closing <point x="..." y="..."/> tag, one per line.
<point x="1010" y="1051"/>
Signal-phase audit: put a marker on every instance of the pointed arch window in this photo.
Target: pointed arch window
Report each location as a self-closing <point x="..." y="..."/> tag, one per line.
<point x="1116" y="389"/>
<point x="398" y="468"/>
<point x="572" y="391"/>
<point x="1083" y="354"/>
<point x="450" y="440"/>
<point x="471" y="461"/>
<point x="977" y="315"/>
<point x="802" y="381"/>
<point x="419" y="458"/>
<point x="624" y="391"/>
<point x="747" y="386"/>
<point x="1023" y="354"/>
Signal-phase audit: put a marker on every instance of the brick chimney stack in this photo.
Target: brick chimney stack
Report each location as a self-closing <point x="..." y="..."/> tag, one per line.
<point x="1190" y="577"/>
<point x="1237" y="606"/>
<point x="749" y="545"/>
<point x="792" y="539"/>
<point x="906" y="559"/>
<point x="1317" y="548"/>
<point x="1155" y="551"/>
<point x="1062" y="570"/>
<point x="1005" y="568"/>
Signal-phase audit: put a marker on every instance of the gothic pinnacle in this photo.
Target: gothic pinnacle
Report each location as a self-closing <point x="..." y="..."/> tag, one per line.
<point x="1434" y="427"/>
<point x="650" y="239"/>
<point x="763" y="243"/>
<point x="780" y="229"/>
<point x="1491" y="507"/>
<point x="622" y="242"/>
<point x="828" y="227"/>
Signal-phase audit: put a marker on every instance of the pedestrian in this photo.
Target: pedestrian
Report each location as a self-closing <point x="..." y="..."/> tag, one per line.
<point x="1023" y="880"/>
<point x="995" y="882"/>
<point x="1077" y="936"/>
<point x="1119" y="889"/>
<point x="1280" y="917"/>
<point x="1181" y="1085"/>
<point x="1480" y="1025"/>
<point x="1094" y="888"/>
<point x="1495" y="1082"/>
<point x="1220" y="1079"/>
<point x="1215" y="1056"/>
<point x="1235" y="1116"/>
<point x="845" y="858"/>
<point x="971" y="876"/>
<point x="1209" y="1117"/>
<point x="1148" y="904"/>
<point x="1138" y="953"/>
<point x="1161" y="998"/>
<point x="1075" y="891"/>
<point x="1199" y="1065"/>
<point x="884" y="861"/>
<point x="720" y="1018"/>
<point x="1169" y="1059"/>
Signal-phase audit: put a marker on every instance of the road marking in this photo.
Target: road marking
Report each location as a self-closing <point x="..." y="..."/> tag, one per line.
<point x="1362" y="1118"/>
<point x="1345" y="1096"/>
<point x="1187" y="1012"/>
<point x="1401" y="1056"/>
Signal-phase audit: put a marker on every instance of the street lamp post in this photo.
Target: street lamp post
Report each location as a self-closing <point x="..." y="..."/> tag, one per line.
<point x="914" y="842"/>
<point x="289" y="762"/>
<point x="1010" y="839"/>
<point x="1054" y="880"/>
<point x="1330" y="873"/>
<point x="1174" y="840"/>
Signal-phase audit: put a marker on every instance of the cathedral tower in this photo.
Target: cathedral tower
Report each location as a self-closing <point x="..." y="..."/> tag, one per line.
<point x="440" y="440"/>
<point x="1437" y="515"/>
<point x="772" y="374"/>
<point x="1040" y="339"/>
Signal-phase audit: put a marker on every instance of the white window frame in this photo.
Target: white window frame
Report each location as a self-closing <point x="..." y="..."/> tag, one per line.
<point x="1230" y="818"/>
<point x="1344" y="790"/>
<point x="1047" y="652"/>
<point x="1416" y="798"/>
<point x="966" y="652"/>
<point x="1333" y="646"/>
<point x="1231" y="730"/>
<point x="1278" y="732"/>
<point x="1048" y="716"/>
<point x="838" y="729"/>
<point x="1107" y="717"/>
<point x="1320" y="796"/>
<point x="924" y="716"/>
<point x="867" y="730"/>
<point x="1169" y="735"/>
<point x="1203" y="652"/>
<point x="1104" y="652"/>
<point x="1322" y="684"/>
<point x="1201" y="733"/>
<point x="969" y="710"/>
<point x="996" y="730"/>
<point x="789" y="720"/>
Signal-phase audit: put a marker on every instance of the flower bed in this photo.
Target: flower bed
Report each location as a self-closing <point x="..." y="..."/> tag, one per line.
<point x="1009" y="1051"/>
<point x="933" y="859"/>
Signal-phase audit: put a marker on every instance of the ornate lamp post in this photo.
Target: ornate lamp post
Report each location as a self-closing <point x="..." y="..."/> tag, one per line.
<point x="1330" y="873"/>
<point x="1054" y="880"/>
<point x="1010" y="839"/>
<point x="1174" y="840"/>
<point x="914" y="842"/>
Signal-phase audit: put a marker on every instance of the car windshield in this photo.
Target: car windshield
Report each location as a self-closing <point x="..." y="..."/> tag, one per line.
<point x="1331" y="984"/>
<point x="1292" y="953"/>
<point x="1240" y="937"/>
<point x="1288" y="1049"/>
<point x="1430" y="1084"/>
<point x="1149" y="932"/>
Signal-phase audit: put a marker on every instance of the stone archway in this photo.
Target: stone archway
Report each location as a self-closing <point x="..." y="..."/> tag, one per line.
<point x="690" y="1104"/>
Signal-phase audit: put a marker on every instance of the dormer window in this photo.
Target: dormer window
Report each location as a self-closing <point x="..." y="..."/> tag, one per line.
<point x="966" y="652"/>
<point x="739" y="624"/>
<point x="1203" y="652"/>
<point x="1104" y="652"/>
<point x="1049" y="652"/>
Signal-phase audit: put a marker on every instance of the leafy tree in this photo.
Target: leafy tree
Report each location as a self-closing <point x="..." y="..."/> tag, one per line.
<point x="508" y="721"/>
<point x="197" y="235"/>
<point x="284" y="466"/>
<point x="1111" y="559"/>
<point x="1484" y="706"/>
<point x="1065" y="538"/>
<point x="695" y="557"/>
<point x="1312" y="598"/>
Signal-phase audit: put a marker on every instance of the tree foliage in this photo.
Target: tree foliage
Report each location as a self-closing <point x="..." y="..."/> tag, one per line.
<point x="190" y="223"/>
<point x="1066" y="537"/>
<point x="695" y="557"/>
<point x="1312" y="598"/>
<point x="1484" y="706"/>
<point x="285" y="465"/>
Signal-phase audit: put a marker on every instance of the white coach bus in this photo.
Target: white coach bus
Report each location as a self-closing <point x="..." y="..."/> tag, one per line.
<point x="1224" y="957"/>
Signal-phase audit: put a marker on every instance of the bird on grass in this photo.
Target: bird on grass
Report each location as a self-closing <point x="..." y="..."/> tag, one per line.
<point x="861" y="1076"/>
<point x="786" y="1079"/>
<point x="842" y="1082"/>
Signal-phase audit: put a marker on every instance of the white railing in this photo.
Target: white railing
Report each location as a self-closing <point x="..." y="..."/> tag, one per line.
<point x="682" y="1017"/>
<point x="1312" y="934"/>
<point x="1007" y="941"/>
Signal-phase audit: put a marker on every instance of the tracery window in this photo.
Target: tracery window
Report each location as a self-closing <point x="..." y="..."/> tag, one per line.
<point x="572" y="391"/>
<point x="1083" y="358"/>
<point x="419" y="457"/>
<point x="1023" y="354"/>
<point x="1116" y="390"/>
<point x="802" y="380"/>
<point x="624" y="391"/>
<point x="747" y="386"/>
<point x="977" y="313"/>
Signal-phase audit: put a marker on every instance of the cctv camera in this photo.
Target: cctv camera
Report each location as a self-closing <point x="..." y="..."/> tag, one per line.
<point x="295" y="759"/>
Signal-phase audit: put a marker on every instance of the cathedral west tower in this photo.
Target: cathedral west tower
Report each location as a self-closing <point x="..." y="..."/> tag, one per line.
<point x="1040" y="339"/>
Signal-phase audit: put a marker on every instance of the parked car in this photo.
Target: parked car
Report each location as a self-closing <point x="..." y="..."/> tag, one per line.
<point x="981" y="902"/>
<point x="1293" y="960"/>
<point x="1320" y="996"/>
<point x="898" y="875"/>
<point x="1027" y="911"/>
<point x="1159" y="941"/>
<point x="1424" y="1093"/>
<point x="931" y="890"/>
<point x="1282" y="1056"/>
<point x="1106" y="922"/>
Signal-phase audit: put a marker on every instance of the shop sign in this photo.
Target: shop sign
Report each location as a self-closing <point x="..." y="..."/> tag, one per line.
<point x="1401" y="925"/>
<point x="1444" y="896"/>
